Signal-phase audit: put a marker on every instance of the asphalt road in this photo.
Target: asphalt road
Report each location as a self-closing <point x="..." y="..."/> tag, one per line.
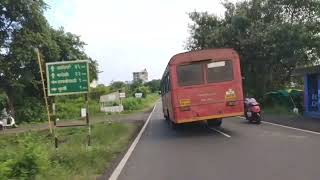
<point x="253" y="152"/>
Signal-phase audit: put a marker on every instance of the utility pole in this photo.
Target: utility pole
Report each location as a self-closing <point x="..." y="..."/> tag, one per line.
<point x="44" y="89"/>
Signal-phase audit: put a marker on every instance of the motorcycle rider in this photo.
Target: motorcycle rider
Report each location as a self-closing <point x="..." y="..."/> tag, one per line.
<point x="248" y="101"/>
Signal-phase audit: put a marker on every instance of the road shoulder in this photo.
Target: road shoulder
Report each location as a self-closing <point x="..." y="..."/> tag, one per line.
<point x="299" y="122"/>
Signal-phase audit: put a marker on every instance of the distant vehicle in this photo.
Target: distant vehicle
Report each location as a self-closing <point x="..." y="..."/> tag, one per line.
<point x="7" y="121"/>
<point x="202" y="85"/>
<point x="252" y="110"/>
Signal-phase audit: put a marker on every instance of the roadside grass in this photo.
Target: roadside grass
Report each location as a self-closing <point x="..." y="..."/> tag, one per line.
<point x="32" y="155"/>
<point x="69" y="109"/>
<point x="132" y="105"/>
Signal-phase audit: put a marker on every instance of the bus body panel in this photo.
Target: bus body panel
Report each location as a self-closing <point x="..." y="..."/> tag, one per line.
<point x="167" y="103"/>
<point x="208" y="100"/>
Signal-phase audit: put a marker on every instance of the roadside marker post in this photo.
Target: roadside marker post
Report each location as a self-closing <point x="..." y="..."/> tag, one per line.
<point x="88" y="120"/>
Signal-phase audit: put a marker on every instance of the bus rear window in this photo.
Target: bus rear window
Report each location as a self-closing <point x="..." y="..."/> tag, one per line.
<point x="191" y="74"/>
<point x="220" y="71"/>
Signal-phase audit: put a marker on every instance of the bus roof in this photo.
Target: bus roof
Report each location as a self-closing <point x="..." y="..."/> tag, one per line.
<point x="198" y="55"/>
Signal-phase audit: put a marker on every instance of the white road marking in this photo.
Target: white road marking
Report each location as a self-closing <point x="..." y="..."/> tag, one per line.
<point x="117" y="171"/>
<point x="288" y="127"/>
<point x="226" y="135"/>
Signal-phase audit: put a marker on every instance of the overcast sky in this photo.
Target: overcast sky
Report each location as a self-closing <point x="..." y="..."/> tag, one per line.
<point x="129" y="35"/>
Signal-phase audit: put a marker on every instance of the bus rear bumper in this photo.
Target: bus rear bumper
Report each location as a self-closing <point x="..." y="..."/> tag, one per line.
<point x="179" y="121"/>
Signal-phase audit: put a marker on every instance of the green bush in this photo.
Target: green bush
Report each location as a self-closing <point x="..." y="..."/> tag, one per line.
<point x="130" y="104"/>
<point x="30" y="111"/>
<point x="27" y="161"/>
<point x="142" y="89"/>
<point x="31" y="156"/>
<point x="69" y="107"/>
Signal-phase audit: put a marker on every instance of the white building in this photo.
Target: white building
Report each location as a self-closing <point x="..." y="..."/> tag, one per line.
<point x="143" y="76"/>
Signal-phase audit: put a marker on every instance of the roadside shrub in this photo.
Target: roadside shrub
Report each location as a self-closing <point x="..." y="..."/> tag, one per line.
<point x="69" y="107"/>
<point x="130" y="104"/>
<point x="142" y="89"/>
<point x="28" y="161"/>
<point x="30" y="110"/>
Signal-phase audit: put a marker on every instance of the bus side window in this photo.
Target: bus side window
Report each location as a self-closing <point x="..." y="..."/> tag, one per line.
<point x="169" y="87"/>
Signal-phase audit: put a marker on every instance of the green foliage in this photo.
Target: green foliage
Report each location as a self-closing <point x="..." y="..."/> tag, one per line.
<point x="142" y="89"/>
<point x="32" y="156"/>
<point x="26" y="160"/>
<point x="138" y="87"/>
<point x="117" y="85"/>
<point x="23" y="28"/>
<point x="3" y="100"/>
<point x="154" y="85"/>
<point x="69" y="107"/>
<point x="272" y="37"/>
<point x="100" y="90"/>
<point x="132" y="104"/>
<point x="31" y="110"/>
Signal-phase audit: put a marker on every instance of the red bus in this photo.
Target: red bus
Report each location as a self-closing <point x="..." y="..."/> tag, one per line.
<point x="202" y="85"/>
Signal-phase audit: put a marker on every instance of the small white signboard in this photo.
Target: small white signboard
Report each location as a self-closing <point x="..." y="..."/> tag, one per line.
<point x="83" y="112"/>
<point x="122" y="95"/>
<point x="138" y="95"/>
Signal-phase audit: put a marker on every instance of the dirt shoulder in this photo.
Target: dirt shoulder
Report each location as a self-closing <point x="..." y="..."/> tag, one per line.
<point x="132" y="117"/>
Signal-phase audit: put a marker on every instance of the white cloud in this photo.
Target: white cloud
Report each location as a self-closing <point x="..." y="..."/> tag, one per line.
<point x="126" y="36"/>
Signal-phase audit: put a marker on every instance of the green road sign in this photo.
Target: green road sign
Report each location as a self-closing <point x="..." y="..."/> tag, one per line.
<point x="69" y="77"/>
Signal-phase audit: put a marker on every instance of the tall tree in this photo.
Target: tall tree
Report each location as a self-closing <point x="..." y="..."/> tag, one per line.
<point x="273" y="37"/>
<point x="22" y="25"/>
<point x="23" y="28"/>
<point x="154" y="85"/>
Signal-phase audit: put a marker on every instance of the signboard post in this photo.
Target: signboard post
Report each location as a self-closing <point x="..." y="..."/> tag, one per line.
<point x="69" y="77"/>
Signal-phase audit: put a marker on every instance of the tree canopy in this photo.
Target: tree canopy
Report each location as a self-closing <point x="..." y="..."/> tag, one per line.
<point x="23" y="28"/>
<point x="272" y="37"/>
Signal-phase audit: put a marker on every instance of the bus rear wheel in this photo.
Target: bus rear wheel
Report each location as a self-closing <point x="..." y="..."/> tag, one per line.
<point x="214" y="122"/>
<point x="173" y="125"/>
<point x="166" y="117"/>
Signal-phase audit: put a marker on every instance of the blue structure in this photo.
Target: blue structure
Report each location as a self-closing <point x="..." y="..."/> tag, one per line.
<point x="311" y="90"/>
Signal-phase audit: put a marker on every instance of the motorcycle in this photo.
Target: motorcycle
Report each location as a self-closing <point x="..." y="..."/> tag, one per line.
<point x="252" y="110"/>
<point x="7" y="121"/>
